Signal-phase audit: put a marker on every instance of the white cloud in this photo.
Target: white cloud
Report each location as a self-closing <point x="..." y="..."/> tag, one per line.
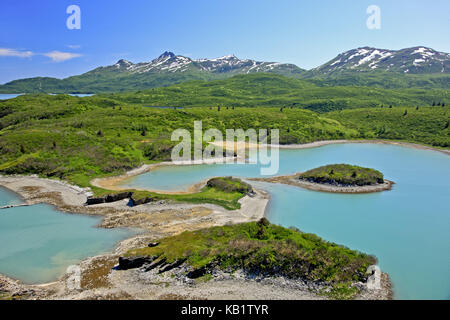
<point x="58" y="56"/>
<point x="5" y="52"/>
<point x="74" y="46"/>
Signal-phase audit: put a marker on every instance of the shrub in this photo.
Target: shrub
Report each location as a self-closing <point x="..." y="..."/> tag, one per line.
<point x="230" y="185"/>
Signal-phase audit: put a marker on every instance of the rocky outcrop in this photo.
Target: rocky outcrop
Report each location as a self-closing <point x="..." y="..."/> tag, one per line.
<point x="118" y="197"/>
<point x="109" y="198"/>
<point x="91" y="201"/>
<point x="126" y="263"/>
<point x="171" y="266"/>
<point x="137" y="202"/>
<point x="157" y="263"/>
<point x="197" y="273"/>
<point x="153" y="244"/>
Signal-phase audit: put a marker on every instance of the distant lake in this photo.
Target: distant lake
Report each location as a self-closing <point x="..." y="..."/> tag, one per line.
<point x="163" y="107"/>
<point x="38" y="242"/>
<point x="6" y="96"/>
<point x="81" y="95"/>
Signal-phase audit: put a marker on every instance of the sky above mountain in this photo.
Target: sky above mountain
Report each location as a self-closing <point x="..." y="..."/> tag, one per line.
<point x="35" y="40"/>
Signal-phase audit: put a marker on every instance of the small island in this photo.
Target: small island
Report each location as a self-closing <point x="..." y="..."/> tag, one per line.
<point x="337" y="178"/>
<point x="343" y="175"/>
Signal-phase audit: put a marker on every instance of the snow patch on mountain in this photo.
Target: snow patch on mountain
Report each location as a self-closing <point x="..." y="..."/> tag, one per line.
<point x="409" y="60"/>
<point x="169" y="62"/>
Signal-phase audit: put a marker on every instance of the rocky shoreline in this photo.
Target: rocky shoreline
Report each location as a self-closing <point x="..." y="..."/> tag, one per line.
<point x="114" y="183"/>
<point x="155" y="220"/>
<point x="99" y="279"/>
<point x="317" y="144"/>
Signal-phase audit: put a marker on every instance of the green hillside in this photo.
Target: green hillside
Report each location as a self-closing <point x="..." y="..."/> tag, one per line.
<point x="81" y="138"/>
<point x="427" y="125"/>
<point x="278" y="91"/>
<point x="387" y="80"/>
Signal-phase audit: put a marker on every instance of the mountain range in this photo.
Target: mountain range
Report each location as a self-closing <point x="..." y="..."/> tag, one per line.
<point x="416" y="60"/>
<point x="420" y="67"/>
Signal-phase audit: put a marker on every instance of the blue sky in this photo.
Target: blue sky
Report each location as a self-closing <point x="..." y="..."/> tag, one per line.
<point x="34" y="39"/>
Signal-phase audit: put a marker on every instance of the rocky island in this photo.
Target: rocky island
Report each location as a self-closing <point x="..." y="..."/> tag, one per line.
<point x="337" y="178"/>
<point x="343" y="175"/>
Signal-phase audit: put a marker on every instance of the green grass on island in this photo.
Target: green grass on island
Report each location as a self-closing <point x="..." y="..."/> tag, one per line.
<point x="224" y="191"/>
<point x="343" y="174"/>
<point x="264" y="249"/>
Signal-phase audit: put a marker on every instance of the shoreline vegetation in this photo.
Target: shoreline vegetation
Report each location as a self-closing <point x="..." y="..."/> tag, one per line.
<point x="257" y="250"/>
<point x="317" y="144"/>
<point x="115" y="182"/>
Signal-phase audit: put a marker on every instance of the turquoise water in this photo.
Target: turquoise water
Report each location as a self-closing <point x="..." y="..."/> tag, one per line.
<point x="407" y="228"/>
<point x="8" y="198"/>
<point x="6" y="96"/>
<point x="38" y="243"/>
<point x="81" y="95"/>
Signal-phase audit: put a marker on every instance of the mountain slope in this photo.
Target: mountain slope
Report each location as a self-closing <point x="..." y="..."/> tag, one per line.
<point x="383" y="79"/>
<point x="416" y="60"/>
<point x="166" y="70"/>
<point x="417" y="67"/>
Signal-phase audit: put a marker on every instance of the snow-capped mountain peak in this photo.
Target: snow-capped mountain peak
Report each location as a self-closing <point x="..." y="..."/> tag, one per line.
<point x="122" y="63"/>
<point x="409" y="60"/>
<point x="166" y="55"/>
<point x="169" y="62"/>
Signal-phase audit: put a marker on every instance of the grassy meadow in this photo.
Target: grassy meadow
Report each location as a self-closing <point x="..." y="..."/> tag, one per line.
<point x="269" y="90"/>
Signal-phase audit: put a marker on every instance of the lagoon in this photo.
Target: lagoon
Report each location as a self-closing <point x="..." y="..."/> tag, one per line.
<point x="407" y="228"/>
<point x="38" y="242"/>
